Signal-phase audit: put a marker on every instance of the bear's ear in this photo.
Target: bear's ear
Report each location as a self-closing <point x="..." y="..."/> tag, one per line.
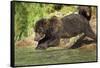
<point x="53" y="20"/>
<point x="55" y="23"/>
<point x="45" y="23"/>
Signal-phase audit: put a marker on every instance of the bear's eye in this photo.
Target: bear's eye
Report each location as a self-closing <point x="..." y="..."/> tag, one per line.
<point x="41" y="30"/>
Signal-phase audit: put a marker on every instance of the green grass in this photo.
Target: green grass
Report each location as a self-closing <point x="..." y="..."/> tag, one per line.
<point x="30" y="56"/>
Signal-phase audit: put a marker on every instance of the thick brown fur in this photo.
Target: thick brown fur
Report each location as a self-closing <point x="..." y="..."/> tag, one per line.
<point x="66" y="27"/>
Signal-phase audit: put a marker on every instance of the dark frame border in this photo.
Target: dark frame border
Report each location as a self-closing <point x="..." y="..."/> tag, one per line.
<point x="12" y="34"/>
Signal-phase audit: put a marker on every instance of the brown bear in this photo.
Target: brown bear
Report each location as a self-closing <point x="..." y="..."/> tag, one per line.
<point x="50" y="31"/>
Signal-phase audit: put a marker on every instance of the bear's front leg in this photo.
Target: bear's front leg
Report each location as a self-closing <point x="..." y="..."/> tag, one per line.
<point x="53" y="42"/>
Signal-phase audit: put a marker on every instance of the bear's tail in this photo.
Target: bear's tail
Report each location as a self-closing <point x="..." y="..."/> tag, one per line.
<point x="85" y="11"/>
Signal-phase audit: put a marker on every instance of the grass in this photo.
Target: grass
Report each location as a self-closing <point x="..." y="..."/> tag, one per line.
<point x="29" y="56"/>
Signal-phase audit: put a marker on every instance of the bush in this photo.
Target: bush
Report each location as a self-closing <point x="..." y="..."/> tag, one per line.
<point x="26" y="14"/>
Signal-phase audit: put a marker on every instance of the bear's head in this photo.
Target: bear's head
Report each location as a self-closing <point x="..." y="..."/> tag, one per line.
<point x="41" y="28"/>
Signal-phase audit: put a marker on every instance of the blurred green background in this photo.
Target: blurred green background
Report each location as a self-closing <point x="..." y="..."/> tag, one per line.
<point x="26" y="15"/>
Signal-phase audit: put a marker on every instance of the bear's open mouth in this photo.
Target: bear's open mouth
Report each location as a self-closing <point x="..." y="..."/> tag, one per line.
<point x="42" y="37"/>
<point x="38" y="37"/>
